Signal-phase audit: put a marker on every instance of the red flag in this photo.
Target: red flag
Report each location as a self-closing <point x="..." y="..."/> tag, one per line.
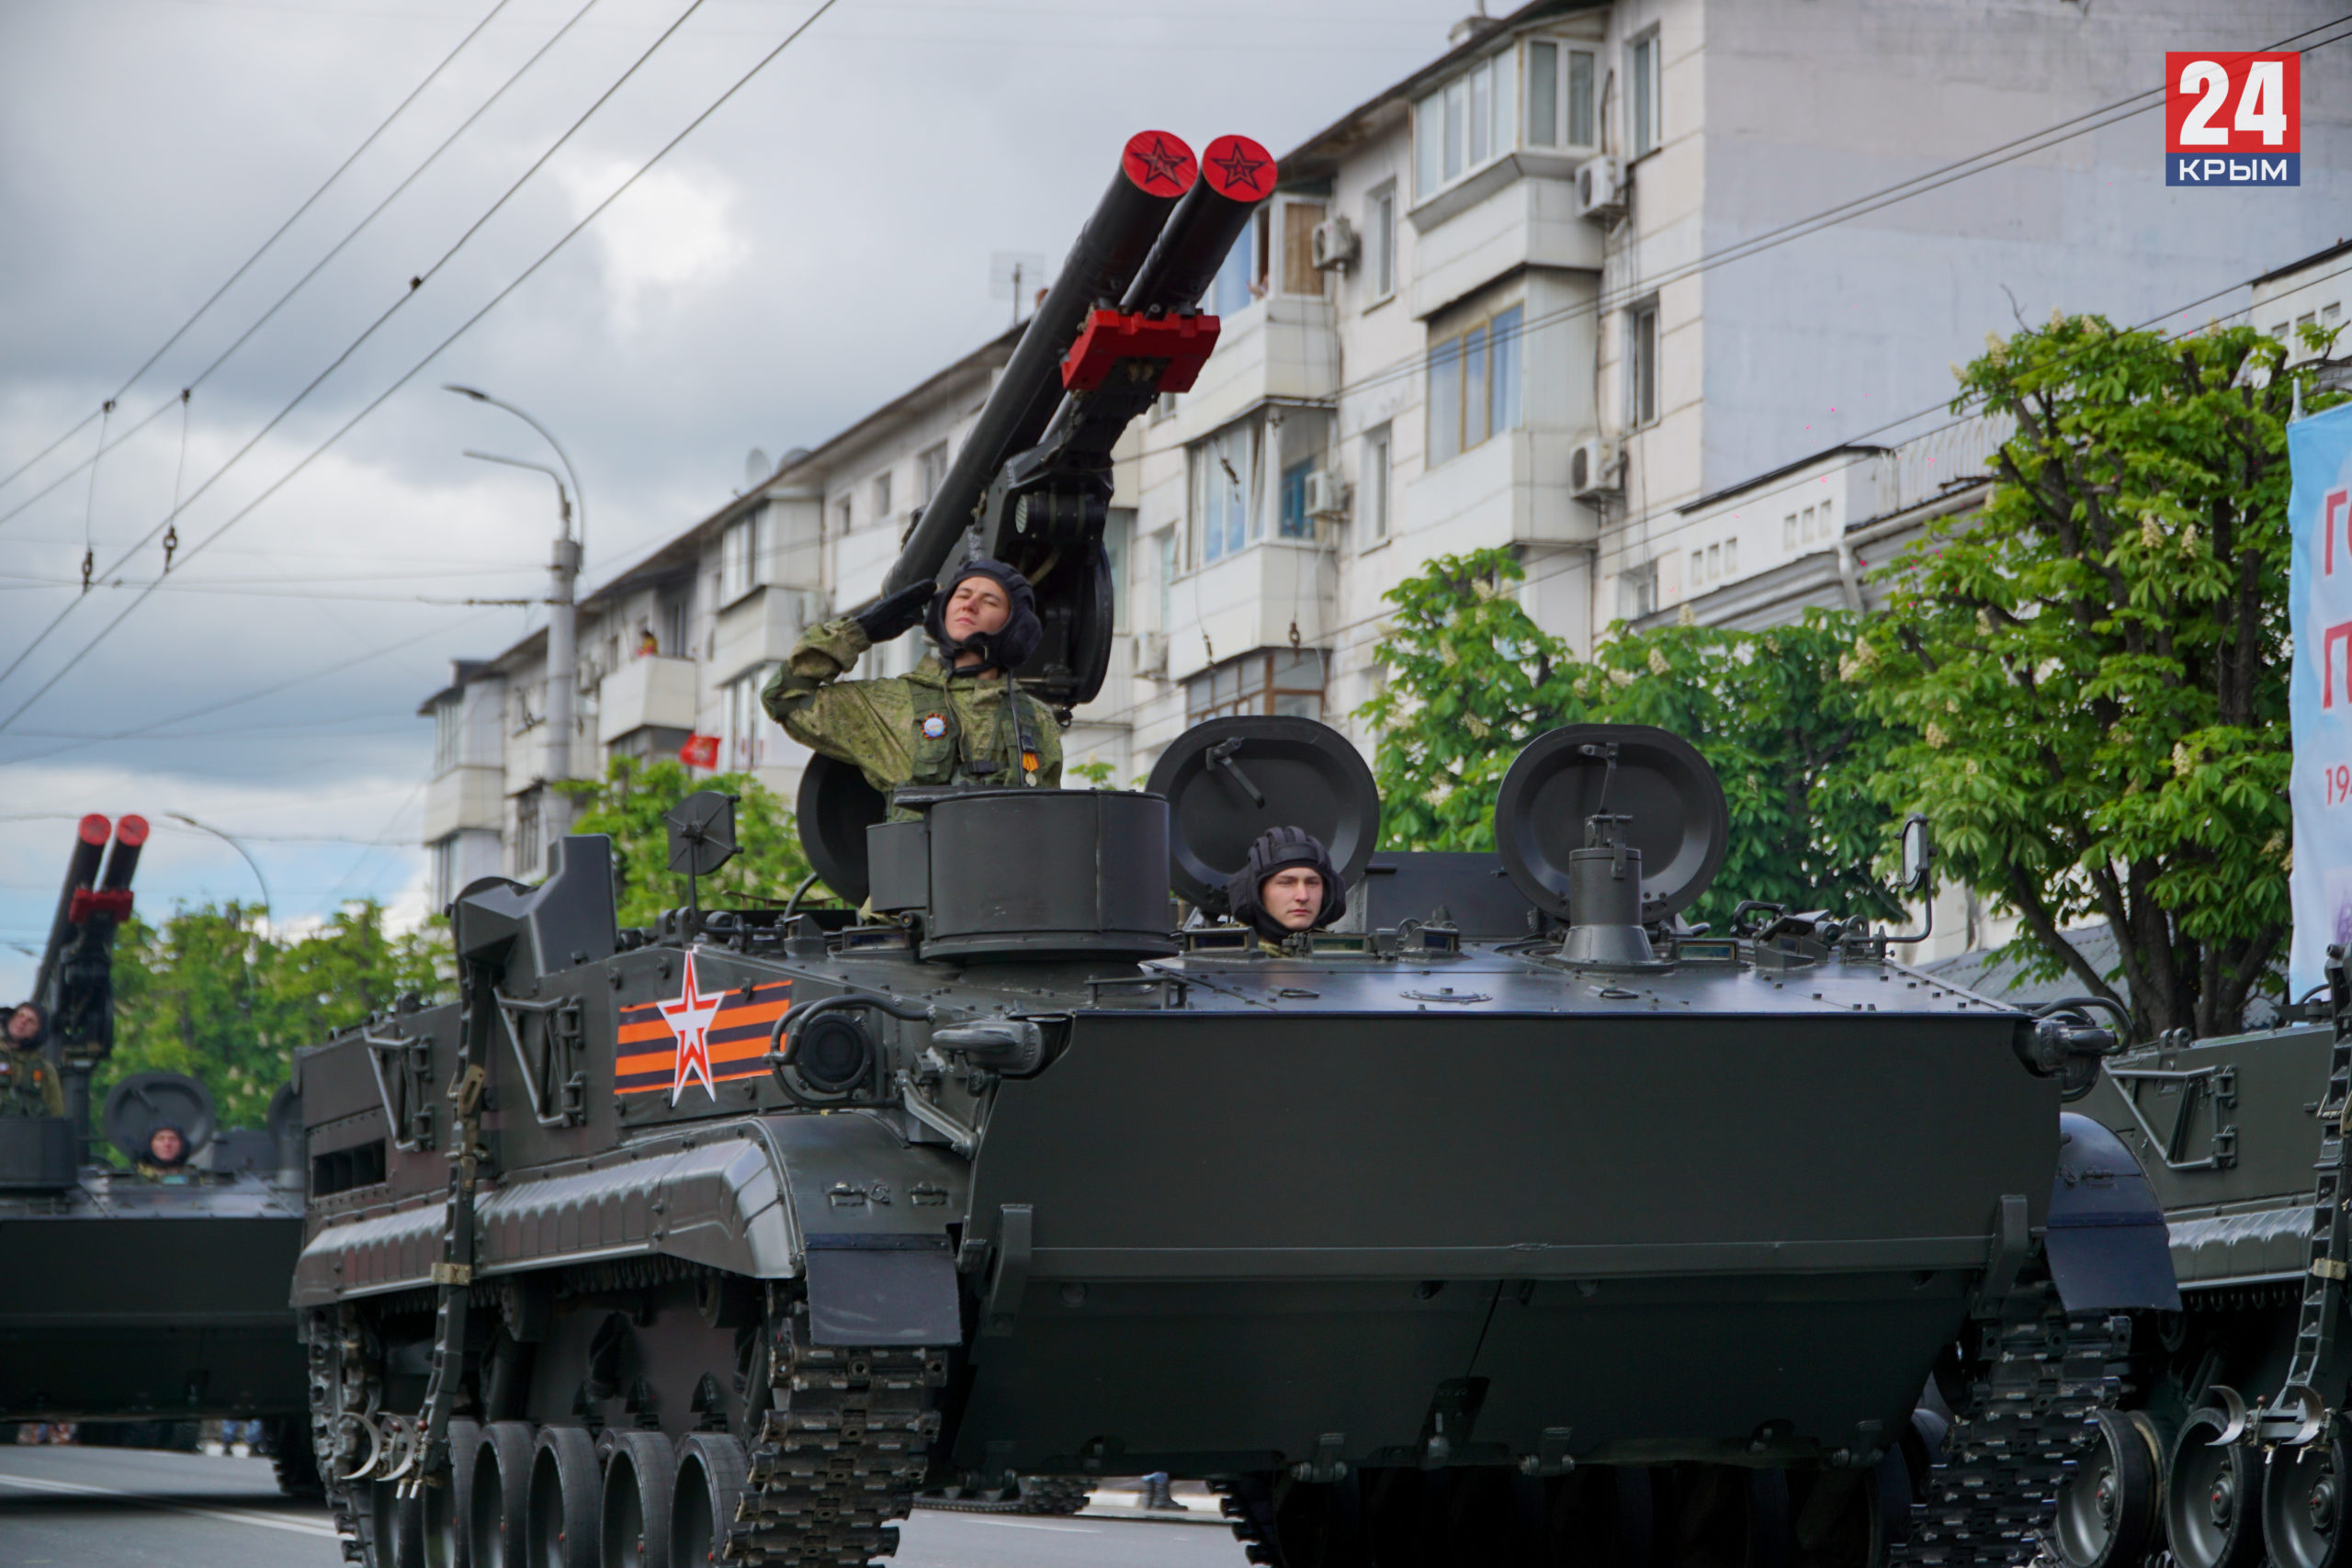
<point x="699" y="751"/>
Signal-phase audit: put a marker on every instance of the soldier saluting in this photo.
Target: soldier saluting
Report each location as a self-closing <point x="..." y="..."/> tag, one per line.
<point x="960" y="718"/>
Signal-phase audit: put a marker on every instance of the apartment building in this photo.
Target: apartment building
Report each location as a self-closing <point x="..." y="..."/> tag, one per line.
<point x="1556" y="293"/>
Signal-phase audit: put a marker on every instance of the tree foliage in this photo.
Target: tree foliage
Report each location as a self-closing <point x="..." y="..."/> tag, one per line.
<point x="628" y="802"/>
<point x="2091" y="674"/>
<point x="1472" y="679"/>
<point x="208" y="994"/>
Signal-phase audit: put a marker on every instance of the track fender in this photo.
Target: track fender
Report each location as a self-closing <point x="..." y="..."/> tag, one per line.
<point x="2108" y="1244"/>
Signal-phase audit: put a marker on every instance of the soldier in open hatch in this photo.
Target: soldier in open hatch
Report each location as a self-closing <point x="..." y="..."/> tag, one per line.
<point x="960" y="718"/>
<point x="28" y="1085"/>
<point x="1288" y="887"/>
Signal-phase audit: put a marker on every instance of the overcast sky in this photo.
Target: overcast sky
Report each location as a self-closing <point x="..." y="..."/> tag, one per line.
<point x="820" y="242"/>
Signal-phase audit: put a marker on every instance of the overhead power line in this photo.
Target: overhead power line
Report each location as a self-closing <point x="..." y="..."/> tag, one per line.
<point x="247" y="264"/>
<point x="467" y="325"/>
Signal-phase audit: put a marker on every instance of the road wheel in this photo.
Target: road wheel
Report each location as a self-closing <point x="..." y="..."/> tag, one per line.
<point x="562" y="1533"/>
<point x="498" y="1507"/>
<point x="2212" y="1511"/>
<point x="709" y="1480"/>
<point x="636" y="1530"/>
<point x="2107" y="1509"/>
<point x="2304" y="1502"/>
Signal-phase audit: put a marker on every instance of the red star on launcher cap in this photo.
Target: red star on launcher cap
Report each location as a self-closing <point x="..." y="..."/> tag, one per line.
<point x="690" y="1018"/>
<point x="1159" y="162"/>
<point x="1239" y="168"/>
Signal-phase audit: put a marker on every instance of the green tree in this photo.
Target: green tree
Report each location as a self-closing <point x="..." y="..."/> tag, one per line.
<point x="1472" y="679"/>
<point x="2092" y="671"/>
<point x="208" y="994"/>
<point x="628" y="802"/>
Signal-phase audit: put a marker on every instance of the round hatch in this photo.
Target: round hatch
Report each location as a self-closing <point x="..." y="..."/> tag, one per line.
<point x="1229" y="780"/>
<point x="144" y="1101"/>
<point x="835" y="807"/>
<point x="1678" y="821"/>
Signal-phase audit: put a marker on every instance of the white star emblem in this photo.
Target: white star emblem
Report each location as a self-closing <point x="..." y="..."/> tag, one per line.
<point x="690" y="1018"/>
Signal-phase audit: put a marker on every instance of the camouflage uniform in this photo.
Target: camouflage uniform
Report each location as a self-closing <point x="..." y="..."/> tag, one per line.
<point x="928" y="727"/>
<point x="28" y="1085"/>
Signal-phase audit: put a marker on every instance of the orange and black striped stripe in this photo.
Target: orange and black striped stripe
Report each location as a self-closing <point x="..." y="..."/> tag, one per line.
<point x="647" y="1057"/>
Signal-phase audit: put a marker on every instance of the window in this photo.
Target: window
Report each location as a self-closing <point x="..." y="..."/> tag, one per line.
<point x="1373" y="487"/>
<point x="1637" y="592"/>
<point x="1645" y="131"/>
<point x="1243" y="277"/>
<point x="1641" y="362"/>
<point x="1731" y="558"/>
<point x="671" y="629"/>
<point x="447" y="729"/>
<point x="1225" y="491"/>
<point x="1559" y="97"/>
<point x="1474" y="386"/>
<point x="1465" y="124"/>
<point x="1118" y="534"/>
<point x="881" y="497"/>
<point x="1788" y="531"/>
<point x="842" y="515"/>
<point x="744" y="725"/>
<point x="1270" y="681"/>
<point x="1380" y="240"/>
<point x="444" y="871"/>
<point x="738" y="557"/>
<point x="930" y="468"/>
<point x="1295" y="524"/>
<point x="1299" y="273"/>
<point x="527" y="834"/>
<point x="1166" y="578"/>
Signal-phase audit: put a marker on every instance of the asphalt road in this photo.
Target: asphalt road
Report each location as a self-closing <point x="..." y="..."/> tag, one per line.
<point x="71" y="1507"/>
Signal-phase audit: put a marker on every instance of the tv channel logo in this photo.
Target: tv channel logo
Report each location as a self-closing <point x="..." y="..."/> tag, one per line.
<point x="2233" y="119"/>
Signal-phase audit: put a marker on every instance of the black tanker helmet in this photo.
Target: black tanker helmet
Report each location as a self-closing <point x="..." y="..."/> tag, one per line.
<point x="1277" y="848"/>
<point x="1008" y="647"/>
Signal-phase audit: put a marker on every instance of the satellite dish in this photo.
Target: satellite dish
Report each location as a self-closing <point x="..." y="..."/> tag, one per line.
<point x="835" y="807"/>
<point x="146" y="1101"/>
<point x="1678" y="819"/>
<point x="1015" y="274"/>
<point x="701" y="832"/>
<point x="757" y="470"/>
<point x="1229" y="780"/>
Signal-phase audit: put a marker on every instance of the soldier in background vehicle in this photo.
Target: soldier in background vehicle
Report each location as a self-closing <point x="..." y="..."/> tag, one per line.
<point x="960" y="718"/>
<point x="28" y="1085"/>
<point x="166" y="1158"/>
<point x="1286" y="889"/>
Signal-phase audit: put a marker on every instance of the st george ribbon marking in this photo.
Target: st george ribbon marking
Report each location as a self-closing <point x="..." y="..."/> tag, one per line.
<point x="2319" y="606"/>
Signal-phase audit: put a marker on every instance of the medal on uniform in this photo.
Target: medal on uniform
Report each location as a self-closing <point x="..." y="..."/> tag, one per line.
<point x="934" y="726"/>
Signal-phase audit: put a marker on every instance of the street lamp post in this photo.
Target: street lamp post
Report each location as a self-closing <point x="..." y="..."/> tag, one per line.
<point x="266" y="904"/>
<point x="563" y="677"/>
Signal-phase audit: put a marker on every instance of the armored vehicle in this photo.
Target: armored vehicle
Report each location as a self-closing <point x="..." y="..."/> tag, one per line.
<point x="1525" y="1223"/>
<point x="2243" y="1452"/>
<point x="127" y="1296"/>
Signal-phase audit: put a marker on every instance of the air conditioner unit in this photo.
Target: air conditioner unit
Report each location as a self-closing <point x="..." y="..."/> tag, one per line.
<point x="1151" y="653"/>
<point x="1335" y="244"/>
<point x="1601" y="188"/>
<point x="1593" y="468"/>
<point x="1326" y="495"/>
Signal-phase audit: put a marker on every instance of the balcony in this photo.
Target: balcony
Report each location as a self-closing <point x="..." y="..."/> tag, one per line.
<point x="462" y="797"/>
<point x="1518" y="212"/>
<point x="1249" y="600"/>
<point x="1511" y="489"/>
<point x="760" y="629"/>
<point x="1282" y="347"/>
<point x="652" y="692"/>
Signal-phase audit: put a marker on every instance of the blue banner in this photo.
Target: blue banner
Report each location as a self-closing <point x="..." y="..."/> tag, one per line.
<point x="2319" y="602"/>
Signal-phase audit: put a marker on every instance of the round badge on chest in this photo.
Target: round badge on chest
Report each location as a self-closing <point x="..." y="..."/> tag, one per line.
<point x="934" y="726"/>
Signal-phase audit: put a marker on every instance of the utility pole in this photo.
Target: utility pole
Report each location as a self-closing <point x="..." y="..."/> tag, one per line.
<point x="563" y="574"/>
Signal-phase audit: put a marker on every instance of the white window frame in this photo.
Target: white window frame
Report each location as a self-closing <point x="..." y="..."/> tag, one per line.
<point x="448" y="737"/>
<point x="738" y="558"/>
<point x="1507" y="327"/>
<point x="1637" y="592"/>
<point x="1551" y="66"/>
<point x="930" y="468"/>
<point x="881" y="484"/>
<point x="1465" y="124"/>
<point x="1644" y="96"/>
<point x="1642" y="353"/>
<point x="1380" y="241"/>
<point x="1239" y="445"/>
<point x="1374" y="480"/>
<point x="743" y="724"/>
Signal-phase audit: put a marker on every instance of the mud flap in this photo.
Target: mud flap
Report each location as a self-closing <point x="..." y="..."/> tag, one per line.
<point x="2108" y="1244"/>
<point x="882" y="1290"/>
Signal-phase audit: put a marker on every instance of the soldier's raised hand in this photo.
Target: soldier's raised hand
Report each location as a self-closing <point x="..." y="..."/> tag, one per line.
<point x="894" y="614"/>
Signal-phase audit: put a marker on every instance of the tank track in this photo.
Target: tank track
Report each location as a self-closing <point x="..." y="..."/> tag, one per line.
<point x="840" y="1452"/>
<point x="1060" y="1494"/>
<point x="2027" y="1407"/>
<point x="329" y="1376"/>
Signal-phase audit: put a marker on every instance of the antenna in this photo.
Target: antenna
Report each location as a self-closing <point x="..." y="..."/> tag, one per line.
<point x="702" y="839"/>
<point x="1015" y="274"/>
